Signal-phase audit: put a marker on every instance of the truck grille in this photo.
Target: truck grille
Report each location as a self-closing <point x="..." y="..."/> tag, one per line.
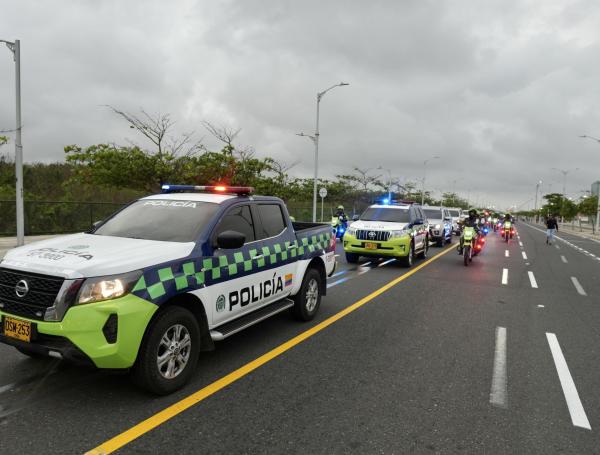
<point x="42" y="293"/>
<point x="377" y="236"/>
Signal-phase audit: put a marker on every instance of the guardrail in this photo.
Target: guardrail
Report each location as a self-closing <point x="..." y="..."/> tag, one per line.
<point x="54" y="217"/>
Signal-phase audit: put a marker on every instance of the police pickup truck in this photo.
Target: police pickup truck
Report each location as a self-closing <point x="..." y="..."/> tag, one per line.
<point x="160" y="280"/>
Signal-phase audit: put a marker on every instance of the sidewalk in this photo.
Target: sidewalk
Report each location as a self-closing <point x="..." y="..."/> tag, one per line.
<point x="6" y="243"/>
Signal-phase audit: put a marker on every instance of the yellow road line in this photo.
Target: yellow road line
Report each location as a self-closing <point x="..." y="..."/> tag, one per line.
<point x="168" y="413"/>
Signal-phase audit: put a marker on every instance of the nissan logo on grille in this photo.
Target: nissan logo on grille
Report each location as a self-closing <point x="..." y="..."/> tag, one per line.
<point x="372" y="235"/>
<point x="22" y="288"/>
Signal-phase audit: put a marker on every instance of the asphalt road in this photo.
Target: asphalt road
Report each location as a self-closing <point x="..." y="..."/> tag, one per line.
<point x="449" y="360"/>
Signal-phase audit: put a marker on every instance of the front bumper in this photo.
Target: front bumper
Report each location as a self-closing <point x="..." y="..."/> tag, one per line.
<point x="84" y="335"/>
<point x="399" y="247"/>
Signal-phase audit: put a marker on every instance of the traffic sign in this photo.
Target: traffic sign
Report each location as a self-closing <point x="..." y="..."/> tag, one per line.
<point x="323" y="192"/>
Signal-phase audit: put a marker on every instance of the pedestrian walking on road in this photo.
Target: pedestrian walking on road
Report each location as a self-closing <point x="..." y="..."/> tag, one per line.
<point x="551" y="228"/>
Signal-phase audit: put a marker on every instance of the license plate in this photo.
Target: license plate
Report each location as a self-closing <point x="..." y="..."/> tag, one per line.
<point x="15" y="328"/>
<point x="370" y="246"/>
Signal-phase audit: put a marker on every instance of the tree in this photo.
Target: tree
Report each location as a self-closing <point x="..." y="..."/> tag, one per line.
<point x="588" y="207"/>
<point x="3" y="140"/>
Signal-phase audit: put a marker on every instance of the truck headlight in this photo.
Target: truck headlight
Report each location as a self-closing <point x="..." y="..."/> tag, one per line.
<point x="399" y="234"/>
<point x="437" y="226"/>
<point x="107" y="287"/>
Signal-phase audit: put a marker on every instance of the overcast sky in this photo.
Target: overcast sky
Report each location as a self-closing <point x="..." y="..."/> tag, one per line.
<point x="499" y="89"/>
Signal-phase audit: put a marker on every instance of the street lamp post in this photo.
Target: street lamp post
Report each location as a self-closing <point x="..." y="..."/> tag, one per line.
<point x="537" y="188"/>
<point x="389" y="183"/>
<point x="315" y="140"/>
<point x="424" y="176"/>
<point x="585" y="136"/>
<point x="15" y="48"/>
<point x="564" y="173"/>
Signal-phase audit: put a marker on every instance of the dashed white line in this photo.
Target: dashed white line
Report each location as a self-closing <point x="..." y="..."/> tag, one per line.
<point x="524" y="255"/>
<point x="578" y="415"/>
<point x="520" y="243"/>
<point x="558" y="247"/>
<point x="540" y="306"/>
<point x="386" y="262"/>
<point x="564" y="259"/>
<point x="504" y="276"/>
<point x="499" y="392"/>
<point x="532" y="280"/>
<point x="578" y="286"/>
<point x="506" y="253"/>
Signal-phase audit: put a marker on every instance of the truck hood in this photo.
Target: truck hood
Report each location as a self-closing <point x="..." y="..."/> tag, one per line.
<point x="378" y="225"/>
<point x="87" y="255"/>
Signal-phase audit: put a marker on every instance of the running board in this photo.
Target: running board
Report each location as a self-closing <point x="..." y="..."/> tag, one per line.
<point x="230" y="328"/>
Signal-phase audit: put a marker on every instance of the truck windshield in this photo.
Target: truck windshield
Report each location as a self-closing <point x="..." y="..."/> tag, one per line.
<point x="454" y="213"/>
<point x="433" y="214"/>
<point x="385" y="214"/>
<point x="165" y="220"/>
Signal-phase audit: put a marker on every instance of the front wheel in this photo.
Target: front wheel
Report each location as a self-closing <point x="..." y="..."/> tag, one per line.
<point x="352" y="258"/>
<point x="407" y="261"/>
<point x="169" y="352"/>
<point x="308" y="299"/>
<point x="423" y="254"/>
<point x="466" y="255"/>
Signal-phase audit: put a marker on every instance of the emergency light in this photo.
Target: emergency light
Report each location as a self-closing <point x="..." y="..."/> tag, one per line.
<point x="239" y="190"/>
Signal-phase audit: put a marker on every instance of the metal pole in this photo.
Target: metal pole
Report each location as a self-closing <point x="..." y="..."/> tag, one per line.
<point x="19" y="148"/>
<point x="537" y="186"/>
<point x="322" y="202"/>
<point x="598" y="211"/>
<point x="314" y="217"/>
<point x="390" y="187"/>
<point x="423" y="185"/>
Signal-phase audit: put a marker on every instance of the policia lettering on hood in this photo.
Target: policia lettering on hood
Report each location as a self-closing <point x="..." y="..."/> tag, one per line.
<point x="255" y="292"/>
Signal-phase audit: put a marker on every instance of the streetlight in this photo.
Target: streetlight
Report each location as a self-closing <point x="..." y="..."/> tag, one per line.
<point x="315" y="139"/>
<point x="15" y="48"/>
<point x="585" y="136"/>
<point x="537" y="188"/>
<point x="424" y="176"/>
<point x="389" y="198"/>
<point x="564" y="173"/>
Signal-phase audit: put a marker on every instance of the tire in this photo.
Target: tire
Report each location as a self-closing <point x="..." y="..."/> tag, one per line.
<point x="449" y="240"/>
<point x="308" y="300"/>
<point x="439" y="242"/>
<point x="175" y="324"/>
<point x="31" y="354"/>
<point x="466" y="250"/>
<point x="352" y="258"/>
<point x="407" y="261"/>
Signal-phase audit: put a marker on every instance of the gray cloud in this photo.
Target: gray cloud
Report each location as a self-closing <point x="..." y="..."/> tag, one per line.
<point x="499" y="89"/>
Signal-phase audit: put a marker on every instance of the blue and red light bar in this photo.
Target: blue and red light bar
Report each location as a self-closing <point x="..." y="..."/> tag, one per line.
<point x="217" y="189"/>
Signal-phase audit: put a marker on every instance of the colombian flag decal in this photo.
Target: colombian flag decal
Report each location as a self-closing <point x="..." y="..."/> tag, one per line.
<point x="288" y="280"/>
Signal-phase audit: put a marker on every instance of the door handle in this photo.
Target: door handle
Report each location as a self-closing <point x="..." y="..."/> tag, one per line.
<point x="259" y="256"/>
<point x="290" y="247"/>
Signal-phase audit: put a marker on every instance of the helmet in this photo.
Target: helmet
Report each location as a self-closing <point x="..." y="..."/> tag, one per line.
<point x="472" y="213"/>
<point x="340" y="207"/>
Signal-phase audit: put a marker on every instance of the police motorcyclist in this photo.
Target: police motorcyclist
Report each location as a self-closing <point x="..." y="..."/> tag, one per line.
<point x="471" y="221"/>
<point x="340" y="214"/>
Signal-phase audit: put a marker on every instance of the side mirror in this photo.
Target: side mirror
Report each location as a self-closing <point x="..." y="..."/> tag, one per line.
<point x="418" y="222"/>
<point x="229" y="240"/>
<point x="355" y="217"/>
<point x="447" y="219"/>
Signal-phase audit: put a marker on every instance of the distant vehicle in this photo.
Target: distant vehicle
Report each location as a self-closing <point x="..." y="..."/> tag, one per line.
<point x="440" y="224"/>
<point x="158" y="282"/>
<point x="395" y="230"/>
<point x="456" y="215"/>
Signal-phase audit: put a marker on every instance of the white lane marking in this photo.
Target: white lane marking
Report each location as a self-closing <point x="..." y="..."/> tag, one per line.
<point x="506" y="253"/>
<point x="365" y="264"/>
<point x="504" y="276"/>
<point x="527" y="263"/>
<point x="338" y="273"/>
<point x="524" y="255"/>
<point x="540" y="306"/>
<point x="532" y="280"/>
<point x="564" y="259"/>
<point x="578" y="416"/>
<point x="335" y="283"/>
<point x="578" y="286"/>
<point x="520" y="243"/>
<point x="499" y="392"/>
<point x="386" y="262"/>
<point x="557" y="247"/>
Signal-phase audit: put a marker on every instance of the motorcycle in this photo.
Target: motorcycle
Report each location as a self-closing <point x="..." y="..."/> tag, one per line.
<point x="339" y="225"/>
<point x="468" y="244"/>
<point x="508" y="231"/>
